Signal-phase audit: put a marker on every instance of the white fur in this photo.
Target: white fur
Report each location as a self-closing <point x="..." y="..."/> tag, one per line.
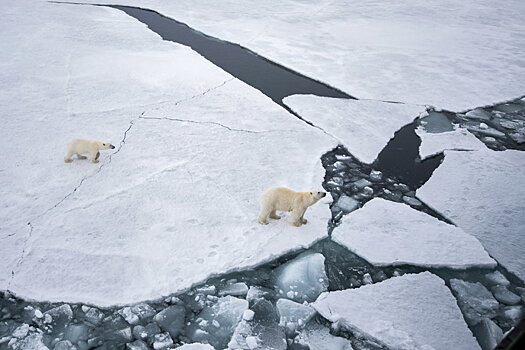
<point x="284" y="199"/>
<point x="83" y="146"/>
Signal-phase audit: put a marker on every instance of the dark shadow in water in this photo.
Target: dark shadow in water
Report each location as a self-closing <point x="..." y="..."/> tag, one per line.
<point x="273" y="80"/>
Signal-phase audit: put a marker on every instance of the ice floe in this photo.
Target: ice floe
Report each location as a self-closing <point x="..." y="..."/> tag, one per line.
<point x="364" y="127"/>
<point x="436" y="53"/>
<point x="458" y="139"/>
<point x="390" y="233"/>
<point x="396" y="312"/>
<point x="475" y="300"/>
<point x="149" y="225"/>
<point x="483" y="193"/>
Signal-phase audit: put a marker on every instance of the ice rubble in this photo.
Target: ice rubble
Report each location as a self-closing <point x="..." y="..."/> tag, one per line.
<point x="389" y="233"/>
<point x="436" y="53"/>
<point x="475" y="300"/>
<point x="364" y="127"/>
<point x="396" y="311"/>
<point x="482" y="192"/>
<point x="293" y="312"/>
<point x="148" y="226"/>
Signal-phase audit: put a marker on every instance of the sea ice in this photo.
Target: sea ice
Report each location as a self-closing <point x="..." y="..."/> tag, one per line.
<point x="235" y="289"/>
<point x="389" y="233"/>
<point x="436" y="53"/>
<point x="458" y="139"/>
<point x="318" y="337"/>
<point x="346" y="204"/>
<point x="475" y="300"/>
<point x="483" y="193"/>
<point x="489" y="334"/>
<point x="263" y="330"/>
<point x="396" y="311"/>
<point x="171" y="319"/>
<point x="497" y="278"/>
<point x="505" y="296"/>
<point x="303" y="278"/>
<point x="221" y="320"/>
<point x="196" y="346"/>
<point x="290" y="311"/>
<point x="363" y="127"/>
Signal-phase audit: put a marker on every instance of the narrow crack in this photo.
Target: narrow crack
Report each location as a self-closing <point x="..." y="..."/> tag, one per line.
<point x="21" y="258"/>
<point x="197" y="122"/>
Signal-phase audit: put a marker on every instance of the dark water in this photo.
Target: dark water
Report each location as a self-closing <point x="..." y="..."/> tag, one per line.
<point x="273" y="80"/>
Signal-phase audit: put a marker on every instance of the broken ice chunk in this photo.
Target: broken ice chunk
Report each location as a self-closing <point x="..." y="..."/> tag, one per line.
<point x="291" y="311"/>
<point x="346" y="204"/>
<point x="304" y="276"/>
<point x="362" y="183"/>
<point x="396" y="312"/>
<point x="474" y="300"/>
<point x="162" y="341"/>
<point x="478" y="114"/>
<point x="318" y="337"/>
<point x="502" y="294"/>
<point x="171" y="319"/>
<point x="256" y="293"/>
<point x="21" y="331"/>
<point x="94" y="316"/>
<point x="489" y="334"/>
<point x="376" y="175"/>
<point x="235" y="289"/>
<point x="412" y="201"/>
<point x="137" y="345"/>
<point x="264" y="327"/>
<point x="31" y="342"/>
<point x="227" y="312"/>
<point x="76" y="332"/>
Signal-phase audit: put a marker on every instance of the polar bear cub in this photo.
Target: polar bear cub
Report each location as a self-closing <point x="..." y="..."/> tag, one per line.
<point x="284" y="199"/>
<point x="83" y="146"/>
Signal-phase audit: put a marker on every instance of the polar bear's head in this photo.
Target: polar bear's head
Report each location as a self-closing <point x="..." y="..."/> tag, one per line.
<point x="317" y="195"/>
<point x="105" y="145"/>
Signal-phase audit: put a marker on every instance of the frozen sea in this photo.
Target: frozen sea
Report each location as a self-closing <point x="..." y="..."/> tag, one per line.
<point x="410" y="115"/>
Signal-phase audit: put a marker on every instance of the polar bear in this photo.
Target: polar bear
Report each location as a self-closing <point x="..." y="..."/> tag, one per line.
<point x="80" y="146"/>
<point x="284" y="199"/>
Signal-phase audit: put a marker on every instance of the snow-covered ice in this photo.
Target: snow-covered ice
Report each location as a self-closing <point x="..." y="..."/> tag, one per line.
<point x="318" y="337"/>
<point x="196" y="346"/>
<point x="149" y="227"/>
<point x="435" y="53"/>
<point x="396" y="312"/>
<point x="458" y="139"/>
<point x="303" y="278"/>
<point x="363" y="127"/>
<point x="483" y="192"/>
<point x="390" y="233"/>
<point x="475" y="300"/>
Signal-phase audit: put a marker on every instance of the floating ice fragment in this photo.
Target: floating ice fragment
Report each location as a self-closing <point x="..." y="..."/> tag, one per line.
<point x="196" y="346"/>
<point x="304" y="276"/>
<point x="76" y="332"/>
<point x="475" y="300"/>
<point x="38" y="314"/>
<point x="367" y="279"/>
<point x="251" y="342"/>
<point x="137" y="345"/>
<point x="396" y="312"/>
<point x="129" y="316"/>
<point x="291" y="311"/>
<point x="502" y="294"/>
<point x="376" y="175"/>
<point x="248" y="315"/>
<point x="318" y="337"/>
<point x="227" y="312"/>
<point x="31" y="342"/>
<point x="347" y="204"/>
<point x="94" y="316"/>
<point x="264" y="326"/>
<point x="171" y="319"/>
<point x="162" y="341"/>
<point x="362" y="183"/>
<point x="478" y="114"/>
<point x="235" y="289"/>
<point x="489" y="334"/>
<point x="64" y="345"/>
<point x="21" y="331"/>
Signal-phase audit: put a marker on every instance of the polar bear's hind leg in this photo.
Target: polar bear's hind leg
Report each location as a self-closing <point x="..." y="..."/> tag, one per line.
<point x="79" y="156"/>
<point x="67" y="157"/>
<point x="273" y="215"/>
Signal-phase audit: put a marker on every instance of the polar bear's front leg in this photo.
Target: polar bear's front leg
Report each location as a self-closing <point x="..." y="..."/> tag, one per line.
<point x="67" y="157"/>
<point x="98" y="155"/>
<point x="303" y="220"/>
<point x="93" y="157"/>
<point x="295" y="218"/>
<point x="263" y="215"/>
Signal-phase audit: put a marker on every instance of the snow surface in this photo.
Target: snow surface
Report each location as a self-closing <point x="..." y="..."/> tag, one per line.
<point x="396" y="312"/>
<point x="364" y="127"/>
<point x="458" y="139"/>
<point x="318" y="337"/>
<point x="390" y="233"/>
<point x="449" y="54"/>
<point x="483" y="193"/>
<point x="176" y="201"/>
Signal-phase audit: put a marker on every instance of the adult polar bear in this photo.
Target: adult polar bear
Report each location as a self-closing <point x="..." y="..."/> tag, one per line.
<point x="83" y="146"/>
<point x="284" y="199"/>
